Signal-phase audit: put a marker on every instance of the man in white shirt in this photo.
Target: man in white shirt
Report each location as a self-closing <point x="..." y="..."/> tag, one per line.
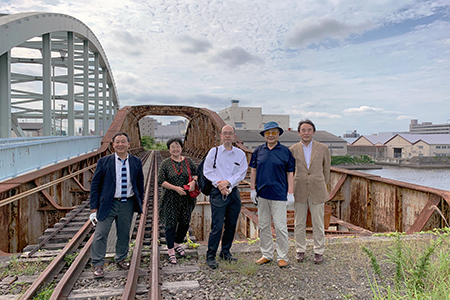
<point x="231" y="167"/>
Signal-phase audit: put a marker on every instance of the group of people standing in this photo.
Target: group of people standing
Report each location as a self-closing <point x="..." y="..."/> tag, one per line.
<point x="282" y="176"/>
<point x="279" y="177"/>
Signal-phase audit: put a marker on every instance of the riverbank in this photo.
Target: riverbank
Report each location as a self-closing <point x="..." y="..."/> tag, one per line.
<point x="428" y="162"/>
<point x="360" y="167"/>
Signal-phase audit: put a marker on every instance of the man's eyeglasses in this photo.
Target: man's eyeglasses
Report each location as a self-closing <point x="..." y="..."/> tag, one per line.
<point x="227" y="133"/>
<point x="267" y="133"/>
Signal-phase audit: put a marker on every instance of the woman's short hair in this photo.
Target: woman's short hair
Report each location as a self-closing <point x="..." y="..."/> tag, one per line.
<point x="174" y="140"/>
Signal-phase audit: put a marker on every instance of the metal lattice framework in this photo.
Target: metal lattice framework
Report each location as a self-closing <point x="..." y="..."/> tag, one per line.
<point x="49" y="60"/>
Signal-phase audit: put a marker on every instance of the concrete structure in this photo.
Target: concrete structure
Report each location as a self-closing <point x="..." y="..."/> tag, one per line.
<point x="147" y="126"/>
<point x="250" y="118"/>
<point x="174" y="129"/>
<point x="252" y="139"/>
<point x="73" y="79"/>
<point x="162" y="133"/>
<point x="428" y="128"/>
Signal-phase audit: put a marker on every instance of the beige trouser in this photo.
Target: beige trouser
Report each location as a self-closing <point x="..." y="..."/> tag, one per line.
<point x="266" y="210"/>
<point x="317" y="212"/>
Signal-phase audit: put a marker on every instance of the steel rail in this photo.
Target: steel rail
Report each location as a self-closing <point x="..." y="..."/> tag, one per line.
<point x="58" y="263"/>
<point x="133" y="274"/>
<point x="155" y="287"/>
<point x="44" y="186"/>
<point x="42" y="243"/>
<point x="65" y="285"/>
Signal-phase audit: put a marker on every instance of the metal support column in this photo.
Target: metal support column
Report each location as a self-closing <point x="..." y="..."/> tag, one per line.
<point x="5" y="95"/>
<point x="105" y="105"/>
<point x="46" y="85"/>
<point x="86" y="87"/>
<point x="70" y="84"/>
<point x="110" y="101"/>
<point x="96" y="93"/>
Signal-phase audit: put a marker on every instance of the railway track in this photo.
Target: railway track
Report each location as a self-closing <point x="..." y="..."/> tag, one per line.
<point x="70" y="241"/>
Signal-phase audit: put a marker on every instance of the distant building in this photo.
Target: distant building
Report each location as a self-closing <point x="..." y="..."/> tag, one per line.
<point x="428" y="128"/>
<point x="163" y="133"/>
<point x="147" y="126"/>
<point x="250" y="118"/>
<point x="353" y="134"/>
<point x="401" y="145"/>
<point x="252" y="139"/>
<point x="30" y="129"/>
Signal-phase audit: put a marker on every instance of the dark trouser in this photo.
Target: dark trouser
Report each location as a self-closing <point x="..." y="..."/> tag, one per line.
<point x="224" y="215"/>
<point x="122" y="213"/>
<point x="176" y="234"/>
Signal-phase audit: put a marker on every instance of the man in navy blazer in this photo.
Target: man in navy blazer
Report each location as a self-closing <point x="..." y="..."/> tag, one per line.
<point x="117" y="191"/>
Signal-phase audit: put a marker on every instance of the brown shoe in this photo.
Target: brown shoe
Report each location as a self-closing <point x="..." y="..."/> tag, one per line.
<point x="300" y="256"/>
<point x="123" y="265"/>
<point x="318" y="259"/>
<point x="282" y="263"/>
<point x="262" y="261"/>
<point x="98" y="272"/>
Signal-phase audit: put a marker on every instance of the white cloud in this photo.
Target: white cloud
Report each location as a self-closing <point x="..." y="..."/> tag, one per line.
<point x="404" y="117"/>
<point x="208" y="52"/>
<point x="314" y="114"/>
<point x="314" y="30"/>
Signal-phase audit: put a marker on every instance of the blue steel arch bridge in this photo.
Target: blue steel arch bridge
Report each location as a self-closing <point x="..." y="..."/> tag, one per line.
<point x="49" y="60"/>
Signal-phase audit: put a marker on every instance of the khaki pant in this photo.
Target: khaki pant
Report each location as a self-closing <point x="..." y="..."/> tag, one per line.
<point x="317" y="213"/>
<point x="266" y="210"/>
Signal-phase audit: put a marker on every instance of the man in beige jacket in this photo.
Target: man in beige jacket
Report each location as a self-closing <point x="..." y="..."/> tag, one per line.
<point x="312" y="173"/>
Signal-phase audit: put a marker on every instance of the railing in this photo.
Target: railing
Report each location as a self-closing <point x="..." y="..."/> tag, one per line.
<point x="22" y="155"/>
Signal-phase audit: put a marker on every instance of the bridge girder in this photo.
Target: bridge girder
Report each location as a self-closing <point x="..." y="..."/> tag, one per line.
<point x="67" y="46"/>
<point x="202" y="131"/>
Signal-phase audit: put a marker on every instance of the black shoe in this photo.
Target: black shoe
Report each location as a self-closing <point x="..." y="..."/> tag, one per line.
<point x="228" y="257"/>
<point x="212" y="263"/>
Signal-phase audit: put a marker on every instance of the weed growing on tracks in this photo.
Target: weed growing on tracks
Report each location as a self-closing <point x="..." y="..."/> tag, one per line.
<point x="45" y="292"/>
<point x="17" y="267"/>
<point x="69" y="258"/>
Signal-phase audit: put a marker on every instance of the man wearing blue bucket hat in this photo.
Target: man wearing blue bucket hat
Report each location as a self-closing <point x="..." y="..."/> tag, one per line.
<point x="271" y="189"/>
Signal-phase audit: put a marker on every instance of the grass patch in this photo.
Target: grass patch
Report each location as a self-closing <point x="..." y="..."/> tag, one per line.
<point x="244" y="267"/>
<point x="413" y="269"/>
<point x="351" y="160"/>
<point x="17" y="267"/>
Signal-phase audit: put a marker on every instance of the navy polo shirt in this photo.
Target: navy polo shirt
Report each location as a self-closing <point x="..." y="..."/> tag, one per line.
<point x="272" y="167"/>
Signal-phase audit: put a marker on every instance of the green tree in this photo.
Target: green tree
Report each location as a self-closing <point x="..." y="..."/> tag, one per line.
<point x="149" y="143"/>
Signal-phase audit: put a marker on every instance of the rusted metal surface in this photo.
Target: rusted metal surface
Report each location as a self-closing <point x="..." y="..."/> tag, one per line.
<point x="58" y="263"/>
<point x="132" y="278"/>
<point x="71" y="276"/>
<point x="371" y="202"/>
<point x="384" y="205"/>
<point x="155" y="280"/>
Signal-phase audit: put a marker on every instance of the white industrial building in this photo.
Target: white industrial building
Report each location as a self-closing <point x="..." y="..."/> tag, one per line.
<point x="250" y="118"/>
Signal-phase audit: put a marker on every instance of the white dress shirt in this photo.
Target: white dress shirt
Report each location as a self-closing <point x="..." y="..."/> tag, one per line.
<point x="230" y="165"/>
<point x="307" y="152"/>
<point x="119" y="162"/>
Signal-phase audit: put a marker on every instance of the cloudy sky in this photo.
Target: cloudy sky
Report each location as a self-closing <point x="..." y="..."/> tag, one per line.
<point x="347" y="65"/>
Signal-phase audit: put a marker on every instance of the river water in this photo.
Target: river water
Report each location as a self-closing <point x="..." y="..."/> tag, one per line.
<point x="436" y="178"/>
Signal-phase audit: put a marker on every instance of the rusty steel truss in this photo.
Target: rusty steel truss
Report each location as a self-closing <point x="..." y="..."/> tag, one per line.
<point x="33" y="202"/>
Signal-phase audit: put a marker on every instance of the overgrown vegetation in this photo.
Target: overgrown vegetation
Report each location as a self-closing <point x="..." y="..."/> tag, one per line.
<point x="18" y="268"/>
<point x="45" y="293"/>
<point x="69" y="258"/>
<point x="351" y="160"/>
<point x="149" y="143"/>
<point x="420" y="270"/>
